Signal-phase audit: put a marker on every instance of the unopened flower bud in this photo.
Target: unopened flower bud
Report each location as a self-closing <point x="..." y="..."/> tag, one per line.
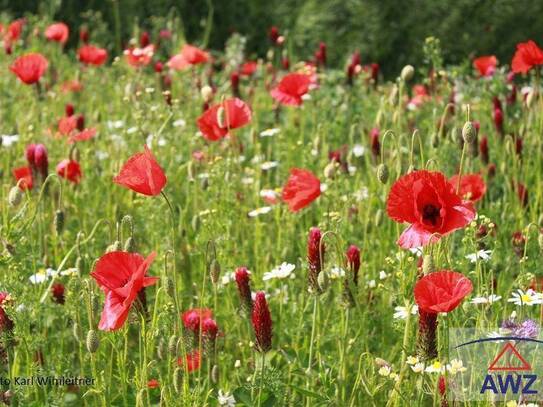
<point x="130" y="244"/>
<point x="215" y="374"/>
<point x="59" y="221"/>
<point x="469" y="133"/>
<point x="323" y="281"/>
<point x="114" y="247"/>
<point x="382" y="173"/>
<point x="428" y="265"/>
<point x="407" y="73"/>
<point x="169" y="286"/>
<point x="15" y="196"/>
<point x="207" y="93"/>
<point x="214" y="271"/>
<point x="330" y="170"/>
<point x="75" y="332"/>
<point x="92" y="341"/>
<point x="220" y="116"/>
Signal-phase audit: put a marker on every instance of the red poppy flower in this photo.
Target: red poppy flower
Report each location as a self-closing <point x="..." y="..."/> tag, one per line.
<point x="69" y="169"/>
<point x="6" y="324"/>
<point x="193" y="360"/>
<point x="486" y="65"/>
<point x="91" y="55"/>
<point x="430" y="204"/>
<point x="139" y="56"/>
<point x="86" y="134"/>
<point x="121" y="275"/>
<point x="30" y="68"/>
<point x="472" y="186"/>
<point x="194" y="317"/>
<point x="153" y="384"/>
<point x="527" y="56"/>
<point x="291" y="89"/>
<point x="190" y="55"/>
<point x="142" y="174"/>
<point x="301" y="189"/>
<point x="441" y="291"/>
<point x="218" y="120"/>
<point x="248" y="68"/>
<point x="57" y="32"/>
<point x="23" y="174"/>
<point x="67" y="124"/>
<point x="14" y="30"/>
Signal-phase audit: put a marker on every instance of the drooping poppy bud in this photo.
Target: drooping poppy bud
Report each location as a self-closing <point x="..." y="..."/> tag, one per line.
<point x="69" y="110"/>
<point x="262" y="323"/>
<point x="145" y="39"/>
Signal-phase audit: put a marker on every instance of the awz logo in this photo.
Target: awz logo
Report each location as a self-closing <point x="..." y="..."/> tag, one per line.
<point x="508" y="361"/>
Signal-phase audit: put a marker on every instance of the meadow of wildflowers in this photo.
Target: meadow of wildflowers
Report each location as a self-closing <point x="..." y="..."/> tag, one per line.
<point x="183" y="226"/>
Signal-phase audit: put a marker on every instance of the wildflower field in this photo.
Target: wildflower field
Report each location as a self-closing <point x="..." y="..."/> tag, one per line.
<point x="186" y="226"/>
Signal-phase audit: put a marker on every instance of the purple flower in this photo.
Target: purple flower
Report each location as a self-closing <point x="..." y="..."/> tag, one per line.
<point x="527" y="329"/>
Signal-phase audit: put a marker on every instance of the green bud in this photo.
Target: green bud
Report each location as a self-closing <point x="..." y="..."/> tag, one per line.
<point x="15" y="197"/>
<point x="469" y="133"/>
<point x="428" y="265"/>
<point x="382" y="173"/>
<point x="92" y="341"/>
<point x="59" y="221"/>
<point x="215" y="374"/>
<point x="407" y="73"/>
<point x="130" y="245"/>
<point x="214" y="271"/>
<point x="323" y="281"/>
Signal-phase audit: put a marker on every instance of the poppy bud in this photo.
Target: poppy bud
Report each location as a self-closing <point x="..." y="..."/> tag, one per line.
<point x="243" y="281"/>
<point x="145" y="39"/>
<point x="59" y="221"/>
<point x="262" y="323"/>
<point x="330" y="169"/>
<point x="428" y="265"/>
<point x="15" y="196"/>
<point x="169" y="286"/>
<point x="116" y="246"/>
<point x="314" y="256"/>
<point x="393" y="97"/>
<point x="130" y="244"/>
<point x="407" y="73"/>
<point x="80" y="265"/>
<point x="353" y="259"/>
<point x="92" y="341"/>
<point x="69" y="109"/>
<point x="207" y="93"/>
<point x="323" y="281"/>
<point x="382" y="173"/>
<point x="468" y="132"/>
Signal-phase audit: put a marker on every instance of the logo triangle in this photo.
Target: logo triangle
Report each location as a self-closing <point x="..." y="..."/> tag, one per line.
<point x="509" y="353"/>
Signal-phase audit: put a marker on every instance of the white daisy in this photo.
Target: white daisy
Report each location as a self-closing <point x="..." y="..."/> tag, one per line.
<point x="528" y="297"/>
<point x="402" y="312"/>
<point x="371" y="284"/>
<point x="282" y="271"/>
<point x="382" y="275"/>
<point x="435" y="367"/>
<point x="480" y="255"/>
<point x="418" y="367"/>
<point x="486" y="300"/>
<point x="362" y="194"/>
<point x="259" y="211"/>
<point x="269" y="132"/>
<point x="226" y="399"/>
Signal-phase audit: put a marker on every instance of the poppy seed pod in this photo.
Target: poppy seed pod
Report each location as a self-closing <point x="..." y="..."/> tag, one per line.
<point x="382" y="173"/>
<point x="407" y="73"/>
<point x="469" y="133"/>
<point x="15" y="196"/>
<point x="92" y="341"/>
